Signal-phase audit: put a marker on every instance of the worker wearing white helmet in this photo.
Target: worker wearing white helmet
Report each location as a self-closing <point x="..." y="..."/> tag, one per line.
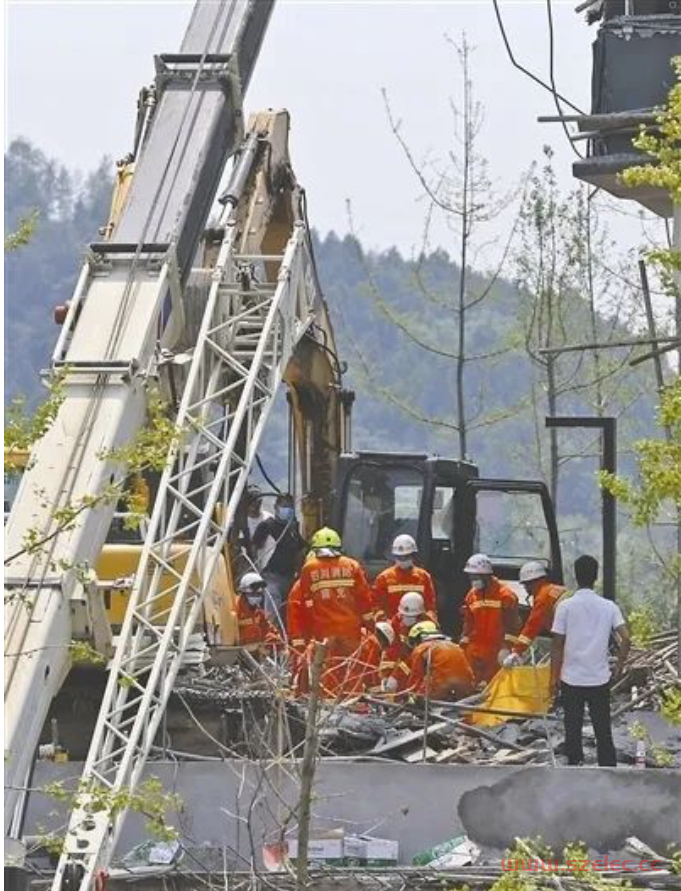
<point x="254" y="626"/>
<point x="369" y="655"/>
<point x="401" y="577"/>
<point x="491" y="620"/>
<point x="544" y="597"/>
<point x="396" y="663"/>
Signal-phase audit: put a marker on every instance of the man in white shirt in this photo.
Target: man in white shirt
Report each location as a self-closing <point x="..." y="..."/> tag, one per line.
<point x="581" y="631"/>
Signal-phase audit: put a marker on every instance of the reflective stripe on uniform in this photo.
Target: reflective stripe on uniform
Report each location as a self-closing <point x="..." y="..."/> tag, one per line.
<point x="332" y="583"/>
<point x="485" y="604"/>
<point x="415" y="586"/>
<point x="511" y="638"/>
<point x="523" y="639"/>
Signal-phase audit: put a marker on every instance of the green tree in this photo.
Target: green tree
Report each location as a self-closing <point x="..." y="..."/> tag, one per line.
<point x="23" y="233"/>
<point x="42" y="273"/>
<point x="565" y="292"/>
<point x="658" y="491"/>
<point x="460" y="195"/>
<point x="654" y="499"/>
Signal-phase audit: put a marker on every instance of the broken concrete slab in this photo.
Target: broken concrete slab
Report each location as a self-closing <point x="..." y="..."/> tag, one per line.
<point x="419" y="805"/>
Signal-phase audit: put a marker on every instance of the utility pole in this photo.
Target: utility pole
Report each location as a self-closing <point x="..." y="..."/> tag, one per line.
<point x="608" y="427"/>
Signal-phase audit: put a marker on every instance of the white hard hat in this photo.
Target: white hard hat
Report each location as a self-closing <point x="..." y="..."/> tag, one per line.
<point x="530" y="572"/>
<point x="403" y="546"/>
<point x="251" y="580"/>
<point x="411" y="605"/>
<point x="387" y="630"/>
<point x="479" y="564"/>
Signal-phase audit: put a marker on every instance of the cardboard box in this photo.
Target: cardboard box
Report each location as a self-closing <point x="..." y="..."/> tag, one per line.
<point x="323" y="847"/>
<point x="365" y="850"/>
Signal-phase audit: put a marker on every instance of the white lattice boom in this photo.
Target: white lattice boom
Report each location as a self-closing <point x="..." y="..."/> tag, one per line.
<point x="248" y="334"/>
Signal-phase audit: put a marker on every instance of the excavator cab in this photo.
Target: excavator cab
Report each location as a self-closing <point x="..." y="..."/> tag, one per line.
<point x="451" y="513"/>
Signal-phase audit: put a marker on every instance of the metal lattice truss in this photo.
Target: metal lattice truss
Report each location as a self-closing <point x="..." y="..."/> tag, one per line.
<point x="247" y="336"/>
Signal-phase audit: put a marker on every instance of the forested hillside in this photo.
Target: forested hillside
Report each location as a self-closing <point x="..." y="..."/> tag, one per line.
<point x="405" y="393"/>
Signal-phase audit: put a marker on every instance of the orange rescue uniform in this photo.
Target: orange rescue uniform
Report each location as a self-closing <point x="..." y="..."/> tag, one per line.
<point x="396" y="660"/>
<point x="393" y="583"/>
<point x="440" y="670"/>
<point x="331" y="601"/>
<point x="540" y="618"/>
<point x="490" y="620"/>
<point x="367" y="659"/>
<point x="254" y="626"/>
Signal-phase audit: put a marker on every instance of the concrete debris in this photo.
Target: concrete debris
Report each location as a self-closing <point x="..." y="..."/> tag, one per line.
<point x="452" y="854"/>
<point x="245" y="693"/>
<point x="476" y="877"/>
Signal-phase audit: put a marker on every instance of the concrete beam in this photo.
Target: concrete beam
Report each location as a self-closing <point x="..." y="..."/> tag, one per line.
<point x="420" y="805"/>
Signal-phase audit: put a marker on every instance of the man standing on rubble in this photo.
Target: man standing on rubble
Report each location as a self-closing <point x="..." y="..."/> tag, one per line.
<point x="544" y="596"/>
<point x="280" y="545"/>
<point x="490" y="618"/>
<point x="401" y="577"/>
<point x="332" y="603"/>
<point x="579" y="662"/>
<point x="255" y="515"/>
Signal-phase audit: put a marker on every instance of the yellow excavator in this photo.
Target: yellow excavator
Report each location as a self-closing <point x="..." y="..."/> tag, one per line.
<point x="267" y="204"/>
<point x="370" y="496"/>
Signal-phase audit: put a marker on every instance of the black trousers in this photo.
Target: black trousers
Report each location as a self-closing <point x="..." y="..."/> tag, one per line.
<point x="598" y="701"/>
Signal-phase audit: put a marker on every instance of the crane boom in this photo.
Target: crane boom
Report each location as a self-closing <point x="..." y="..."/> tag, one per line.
<point x="126" y="307"/>
<point x="248" y="335"/>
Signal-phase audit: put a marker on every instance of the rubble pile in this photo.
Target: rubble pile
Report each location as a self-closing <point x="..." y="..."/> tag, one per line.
<point x="446" y="733"/>
<point x="405" y="732"/>
<point x="647" y="673"/>
<point x="456" y="864"/>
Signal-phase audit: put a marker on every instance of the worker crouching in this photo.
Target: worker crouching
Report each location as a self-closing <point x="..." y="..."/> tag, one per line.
<point x="395" y="665"/>
<point x="369" y="656"/>
<point x="330" y="602"/>
<point x="491" y="619"/>
<point x="254" y="626"/>
<point x="439" y="668"/>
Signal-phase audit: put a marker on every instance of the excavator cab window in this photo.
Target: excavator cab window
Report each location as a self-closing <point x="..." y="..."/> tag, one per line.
<point x="514" y="523"/>
<point x="442" y="516"/>
<point x="511" y="526"/>
<point x="381" y="502"/>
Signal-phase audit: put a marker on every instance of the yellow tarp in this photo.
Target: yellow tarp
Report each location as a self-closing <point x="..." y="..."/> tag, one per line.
<point x="523" y="689"/>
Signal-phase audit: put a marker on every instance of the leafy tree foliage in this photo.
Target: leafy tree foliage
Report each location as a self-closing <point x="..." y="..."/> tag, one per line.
<point x="69" y="210"/>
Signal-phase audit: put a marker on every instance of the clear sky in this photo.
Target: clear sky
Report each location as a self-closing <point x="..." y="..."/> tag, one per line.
<point x="73" y="71"/>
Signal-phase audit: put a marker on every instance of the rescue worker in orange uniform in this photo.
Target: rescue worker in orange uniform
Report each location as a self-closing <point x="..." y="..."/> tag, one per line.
<point x="404" y="576"/>
<point x="254" y="626"/>
<point x="544" y="598"/>
<point x="439" y="668"/>
<point x="396" y="663"/>
<point x="491" y="620"/>
<point x="369" y="655"/>
<point x="331" y="602"/>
